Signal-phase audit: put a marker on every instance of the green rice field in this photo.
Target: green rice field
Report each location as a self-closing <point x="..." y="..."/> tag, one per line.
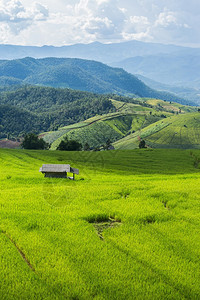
<point x="179" y="131"/>
<point x="128" y="227"/>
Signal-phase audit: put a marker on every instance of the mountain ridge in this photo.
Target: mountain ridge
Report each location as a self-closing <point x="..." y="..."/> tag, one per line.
<point x="106" y="53"/>
<point x="178" y="69"/>
<point x="79" y="74"/>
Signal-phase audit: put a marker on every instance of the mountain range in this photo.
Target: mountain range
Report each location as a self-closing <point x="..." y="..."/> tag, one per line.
<point x="46" y="90"/>
<point x="167" y="64"/>
<point x="182" y="91"/>
<point x="106" y="53"/>
<point x="78" y="74"/>
<point x="177" y="69"/>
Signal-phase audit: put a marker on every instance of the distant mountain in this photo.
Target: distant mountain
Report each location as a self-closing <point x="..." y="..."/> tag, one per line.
<point x="169" y="64"/>
<point x="181" y="91"/>
<point x="177" y="69"/>
<point x="106" y="53"/>
<point x="78" y="74"/>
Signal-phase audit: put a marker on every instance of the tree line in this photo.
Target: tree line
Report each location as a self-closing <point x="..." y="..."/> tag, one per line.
<point x="37" y="109"/>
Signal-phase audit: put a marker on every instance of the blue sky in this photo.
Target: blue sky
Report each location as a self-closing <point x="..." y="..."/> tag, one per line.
<point x="63" y="22"/>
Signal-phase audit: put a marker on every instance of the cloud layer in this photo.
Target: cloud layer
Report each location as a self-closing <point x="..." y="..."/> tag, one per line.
<point x="82" y="21"/>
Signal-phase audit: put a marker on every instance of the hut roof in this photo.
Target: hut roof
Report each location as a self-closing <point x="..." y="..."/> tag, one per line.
<point x="55" y="168"/>
<point x="58" y="168"/>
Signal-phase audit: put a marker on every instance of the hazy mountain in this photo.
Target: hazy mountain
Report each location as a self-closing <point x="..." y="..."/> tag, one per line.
<point x="169" y="64"/>
<point x="179" y="69"/>
<point x="106" y="53"/>
<point x="181" y="91"/>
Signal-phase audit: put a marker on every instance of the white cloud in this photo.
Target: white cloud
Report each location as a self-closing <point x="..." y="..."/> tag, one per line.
<point x="139" y="20"/>
<point x="14" y="17"/>
<point x="140" y="36"/>
<point x="90" y="20"/>
<point x="67" y="22"/>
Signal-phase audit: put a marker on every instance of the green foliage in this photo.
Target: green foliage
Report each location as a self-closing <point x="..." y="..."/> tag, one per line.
<point x="86" y="147"/>
<point x="31" y="141"/>
<point x="45" y="109"/>
<point x="95" y="135"/>
<point x="121" y="124"/>
<point x="16" y="121"/>
<point x="69" y="145"/>
<point x="142" y="144"/>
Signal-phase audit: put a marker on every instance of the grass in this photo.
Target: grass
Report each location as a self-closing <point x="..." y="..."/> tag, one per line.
<point x="62" y="227"/>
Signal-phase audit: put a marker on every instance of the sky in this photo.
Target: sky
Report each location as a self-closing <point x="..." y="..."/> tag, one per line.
<point x="63" y="22"/>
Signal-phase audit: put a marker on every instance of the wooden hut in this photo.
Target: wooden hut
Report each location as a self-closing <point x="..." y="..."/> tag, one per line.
<point x="58" y="171"/>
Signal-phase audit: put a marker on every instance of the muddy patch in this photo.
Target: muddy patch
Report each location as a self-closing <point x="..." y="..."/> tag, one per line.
<point x="102" y="223"/>
<point x="165" y="204"/>
<point x="148" y="220"/>
<point x="124" y="193"/>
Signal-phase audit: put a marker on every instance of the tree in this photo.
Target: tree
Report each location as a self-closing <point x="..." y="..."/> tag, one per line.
<point x="142" y="144"/>
<point x="107" y="145"/>
<point x="31" y="141"/>
<point x="69" y="145"/>
<point x="86" y="147"/>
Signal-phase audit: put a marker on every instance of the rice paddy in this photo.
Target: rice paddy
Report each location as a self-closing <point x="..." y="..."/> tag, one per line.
<point x="128" y="227"/>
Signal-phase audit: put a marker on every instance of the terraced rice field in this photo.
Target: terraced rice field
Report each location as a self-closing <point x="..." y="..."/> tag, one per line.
<point x="180" y="131"/>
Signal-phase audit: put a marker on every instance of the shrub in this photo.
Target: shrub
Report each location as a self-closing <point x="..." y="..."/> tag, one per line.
<point x="31" y="141"/>
<point x="142" y="144"/>
<point x="69" y="145"/>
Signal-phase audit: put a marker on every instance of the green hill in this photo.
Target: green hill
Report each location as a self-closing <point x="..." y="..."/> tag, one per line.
<point x="179" y="131"/>
<point x="43" y="108"/>
<point x="87" y="117"/>
<point x="97" y="130"/>
<point x="128" y="120"/>
<point x="79" y="74"/>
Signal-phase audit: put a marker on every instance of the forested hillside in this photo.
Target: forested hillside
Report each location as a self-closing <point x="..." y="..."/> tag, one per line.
<point x="14" y="121"/>
<point x="41" y="109"/>
<point x="76" y="74"/>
